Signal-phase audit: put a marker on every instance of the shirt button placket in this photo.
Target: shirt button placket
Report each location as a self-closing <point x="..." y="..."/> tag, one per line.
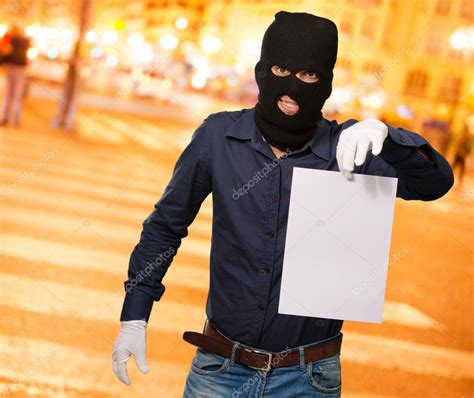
<point x="264" y="272"/>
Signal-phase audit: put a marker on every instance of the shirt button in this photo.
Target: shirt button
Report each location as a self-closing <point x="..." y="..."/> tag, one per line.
<point x="260" y="307"/>
<point x="402" y="139"/>
<point x="275" y="199"/>
<point x="271" y="234"/>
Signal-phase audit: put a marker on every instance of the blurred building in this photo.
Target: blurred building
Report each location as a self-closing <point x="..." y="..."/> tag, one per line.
<point x="57" y="13"/>
<point x="407" y="62"/>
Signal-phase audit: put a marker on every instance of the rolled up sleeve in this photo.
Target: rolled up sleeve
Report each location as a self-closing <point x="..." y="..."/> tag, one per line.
<point x="419" y="178"/>
<point x="167" y="225"/>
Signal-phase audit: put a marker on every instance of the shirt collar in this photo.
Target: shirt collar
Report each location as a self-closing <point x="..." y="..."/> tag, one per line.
<point x="245" y="128"/>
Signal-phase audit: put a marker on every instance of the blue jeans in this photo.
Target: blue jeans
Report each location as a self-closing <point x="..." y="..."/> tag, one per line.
<point x="214" y="376"/>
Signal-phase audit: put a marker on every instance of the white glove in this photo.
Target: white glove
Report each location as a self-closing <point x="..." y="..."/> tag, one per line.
<point x="356" y="141"/>
<point x="130" y="340"/>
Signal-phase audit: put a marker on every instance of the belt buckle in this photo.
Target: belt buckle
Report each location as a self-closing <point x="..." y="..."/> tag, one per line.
<point x="269" y="361"/>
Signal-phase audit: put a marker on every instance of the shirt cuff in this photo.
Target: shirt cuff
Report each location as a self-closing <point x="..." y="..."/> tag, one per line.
<point x="400" y="145"/>
<point x="137" y="305"/>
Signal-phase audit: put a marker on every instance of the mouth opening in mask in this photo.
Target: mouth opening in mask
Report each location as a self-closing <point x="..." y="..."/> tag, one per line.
<point x="287" y="105"/>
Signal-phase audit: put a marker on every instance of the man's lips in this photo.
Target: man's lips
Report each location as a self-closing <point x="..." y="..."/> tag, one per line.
<point x="288" y="105"/>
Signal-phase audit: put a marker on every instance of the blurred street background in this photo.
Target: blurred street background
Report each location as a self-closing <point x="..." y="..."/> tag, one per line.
<point x="114" y="90"/>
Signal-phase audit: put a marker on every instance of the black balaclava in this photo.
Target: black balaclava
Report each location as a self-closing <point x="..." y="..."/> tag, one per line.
<point x="294" y="41"/>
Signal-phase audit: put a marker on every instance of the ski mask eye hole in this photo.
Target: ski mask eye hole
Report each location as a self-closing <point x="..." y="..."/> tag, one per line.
<point x="279" y="71"/>
<point x="308" y="76"/>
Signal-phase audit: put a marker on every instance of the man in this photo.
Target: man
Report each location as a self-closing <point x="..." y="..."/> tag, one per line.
<point x="245" y="158"/>
<point x="15" y="63"/>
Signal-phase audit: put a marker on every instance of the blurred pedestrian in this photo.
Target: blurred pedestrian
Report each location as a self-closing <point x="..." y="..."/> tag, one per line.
<point x="68" y="102"/>
<point x="15" y="61"/>
<point x="463" y="150"/>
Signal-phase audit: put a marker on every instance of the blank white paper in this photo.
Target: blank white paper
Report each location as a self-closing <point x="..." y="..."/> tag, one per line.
<point x="337" y="245"/>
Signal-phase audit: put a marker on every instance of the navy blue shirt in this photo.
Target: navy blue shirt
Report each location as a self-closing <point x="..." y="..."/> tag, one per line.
<point x="251" y="191"/>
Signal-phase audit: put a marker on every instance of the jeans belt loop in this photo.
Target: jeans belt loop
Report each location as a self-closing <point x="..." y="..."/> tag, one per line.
<point x="234" y="351"/>
<point x="302" y="359"/>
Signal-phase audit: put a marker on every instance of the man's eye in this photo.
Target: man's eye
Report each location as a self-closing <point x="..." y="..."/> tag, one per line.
<point x="280" y="71"/>
<point x="311" y="74"/>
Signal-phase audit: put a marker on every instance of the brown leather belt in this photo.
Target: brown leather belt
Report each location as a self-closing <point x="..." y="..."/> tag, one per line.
<point x="214" y="341"/>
